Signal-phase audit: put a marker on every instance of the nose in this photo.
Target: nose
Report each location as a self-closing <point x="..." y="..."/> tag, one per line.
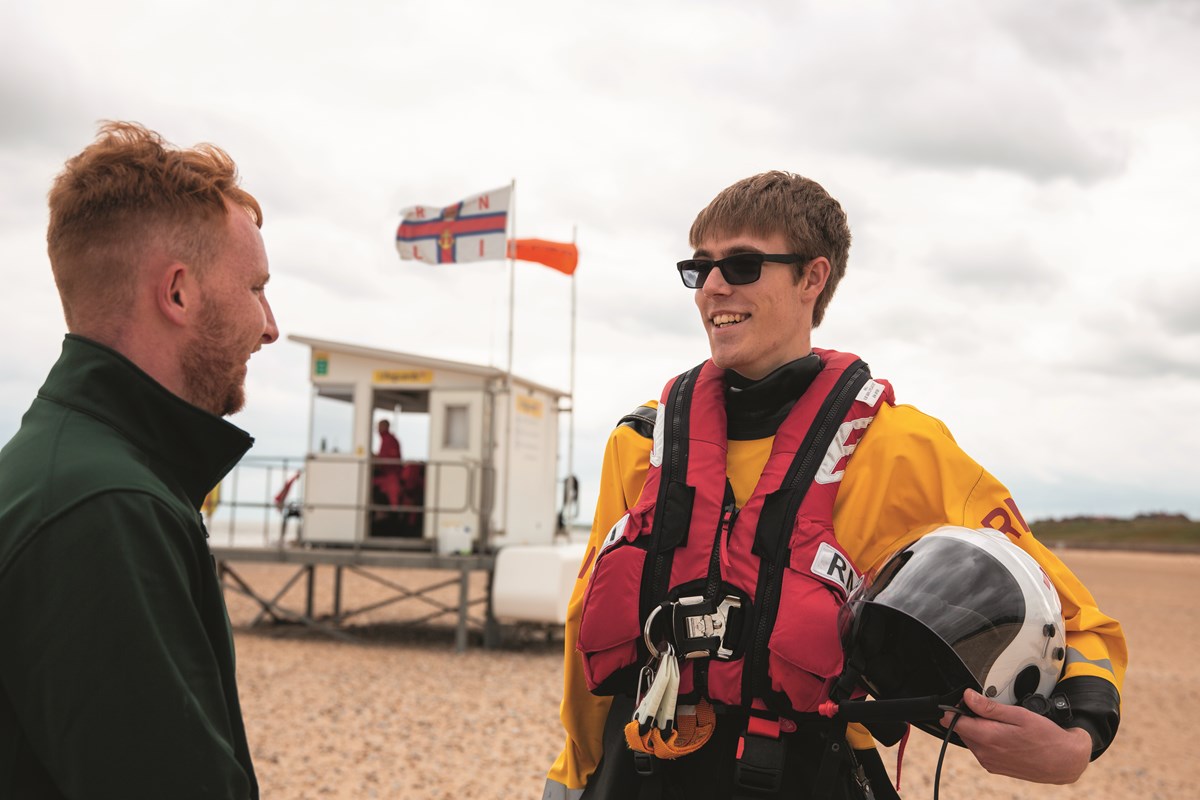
<point x="715" y="283"/>
<point x="270" y="329"/>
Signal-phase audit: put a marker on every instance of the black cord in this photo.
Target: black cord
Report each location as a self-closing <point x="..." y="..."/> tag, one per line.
<point x="937" y="774"/>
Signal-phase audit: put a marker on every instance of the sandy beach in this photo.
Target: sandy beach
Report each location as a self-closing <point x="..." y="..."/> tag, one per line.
<point x="396" y="713"/>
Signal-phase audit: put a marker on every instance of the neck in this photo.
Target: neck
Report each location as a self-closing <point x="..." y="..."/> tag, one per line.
<point x="153" y="353"/>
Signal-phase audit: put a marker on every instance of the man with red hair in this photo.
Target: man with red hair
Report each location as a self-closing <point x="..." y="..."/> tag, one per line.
<point x="117" y="677"/>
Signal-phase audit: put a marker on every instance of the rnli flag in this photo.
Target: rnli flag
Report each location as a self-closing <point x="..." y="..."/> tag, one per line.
<point x="470" y="230"/>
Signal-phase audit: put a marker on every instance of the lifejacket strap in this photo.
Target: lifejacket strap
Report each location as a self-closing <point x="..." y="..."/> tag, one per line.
<point x="758" y="770"/>
<point x="833" y="758"/>
<point x="676" y="516"/>
<point x="673" y="471"/>
<point x="773" y="546"/>
<point x="771" y="527"/>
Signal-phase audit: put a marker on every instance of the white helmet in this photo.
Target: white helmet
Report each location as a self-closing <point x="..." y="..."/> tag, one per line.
<point x="956" y="609"/>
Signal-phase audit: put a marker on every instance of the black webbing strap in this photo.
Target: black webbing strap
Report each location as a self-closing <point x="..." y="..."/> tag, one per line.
<point x="758" y="771"/>
<point x="780" y="507"/>
<point x="833" y="759"/>
<point x="761" y="755"/>
<point x="673" y="506"/>
<point x="772" y="536"/>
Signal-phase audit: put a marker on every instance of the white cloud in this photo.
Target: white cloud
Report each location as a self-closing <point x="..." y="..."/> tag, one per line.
<point x="1018" y="179"/>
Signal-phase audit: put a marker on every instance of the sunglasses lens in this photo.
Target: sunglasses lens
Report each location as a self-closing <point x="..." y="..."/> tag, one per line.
<point x="742" y="269"/>
<point x="694" y="271"/>
<point x="737" y="270"/>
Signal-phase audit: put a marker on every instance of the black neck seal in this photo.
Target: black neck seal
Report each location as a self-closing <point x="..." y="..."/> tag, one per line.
<point x="756" y="409"/>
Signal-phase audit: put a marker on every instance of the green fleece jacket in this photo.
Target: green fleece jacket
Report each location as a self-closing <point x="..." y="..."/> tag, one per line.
<point x="116" y="655"/>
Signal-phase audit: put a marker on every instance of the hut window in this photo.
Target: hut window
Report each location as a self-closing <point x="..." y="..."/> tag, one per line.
<point x="457" y="433"/>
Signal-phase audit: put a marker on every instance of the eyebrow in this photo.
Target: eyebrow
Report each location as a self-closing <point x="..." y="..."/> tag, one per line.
<point x="733" y="251"/>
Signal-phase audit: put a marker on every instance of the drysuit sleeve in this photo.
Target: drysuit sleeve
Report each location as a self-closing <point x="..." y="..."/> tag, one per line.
<point x="626" y="461"/>
<point x="1097" y="655"/>
<point x="907" y="474"/>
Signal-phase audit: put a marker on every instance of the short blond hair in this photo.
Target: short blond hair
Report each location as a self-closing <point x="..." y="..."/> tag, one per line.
<point x="782" y="202"/>
<point x="127" y="192"/>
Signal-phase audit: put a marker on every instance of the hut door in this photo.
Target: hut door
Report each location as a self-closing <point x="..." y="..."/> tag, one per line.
<point x="453" y="475"/>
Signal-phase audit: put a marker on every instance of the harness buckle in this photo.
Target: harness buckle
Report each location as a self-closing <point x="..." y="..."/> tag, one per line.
<point x="759" y="765"/>
<point x="643" y="764"/>
<point x="697" y="627"/>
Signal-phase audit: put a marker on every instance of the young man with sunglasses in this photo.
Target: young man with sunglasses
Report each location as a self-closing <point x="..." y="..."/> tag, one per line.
<point x="736" y="515"/>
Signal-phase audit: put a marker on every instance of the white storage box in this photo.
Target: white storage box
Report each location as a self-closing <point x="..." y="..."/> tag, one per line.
<point x="533" y="583"/>
<point x="454" y="540"/>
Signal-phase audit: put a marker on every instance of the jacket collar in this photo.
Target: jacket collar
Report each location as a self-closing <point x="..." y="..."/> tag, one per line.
<point x="756" y="409"/>
<point x="198" y="448"/>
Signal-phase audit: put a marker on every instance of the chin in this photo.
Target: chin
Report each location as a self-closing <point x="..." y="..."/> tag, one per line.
<point x="723" y="359"/>
<point x="233" y="400"/>
<point x="235" y="403"/>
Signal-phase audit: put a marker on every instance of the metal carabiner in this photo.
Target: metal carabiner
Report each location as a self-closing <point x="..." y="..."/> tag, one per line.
<point x="654" y="651"/>
<point x="645" y="678"/>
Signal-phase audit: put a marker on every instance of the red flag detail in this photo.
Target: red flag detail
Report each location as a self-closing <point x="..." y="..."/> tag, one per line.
<point x="562" y="256"/>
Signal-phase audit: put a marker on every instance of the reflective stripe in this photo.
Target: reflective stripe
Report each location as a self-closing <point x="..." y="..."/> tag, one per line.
<point x="557" y="791"/>
<point x="1076" y="657"/>
<point x="657" y="435"/>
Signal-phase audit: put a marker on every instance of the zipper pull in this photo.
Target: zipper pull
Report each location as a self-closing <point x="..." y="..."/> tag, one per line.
<point x="728" y="515"/>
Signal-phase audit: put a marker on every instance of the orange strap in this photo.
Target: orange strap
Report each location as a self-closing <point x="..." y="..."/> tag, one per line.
<point x="694" y="726"/>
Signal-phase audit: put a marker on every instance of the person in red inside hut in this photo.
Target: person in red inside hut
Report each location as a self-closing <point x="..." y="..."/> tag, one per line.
<point x="738" y="513"/>
<point x="389" y="471"/>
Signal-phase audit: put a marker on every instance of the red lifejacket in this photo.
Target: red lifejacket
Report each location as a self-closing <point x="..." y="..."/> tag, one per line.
<point x="774" y="563"/>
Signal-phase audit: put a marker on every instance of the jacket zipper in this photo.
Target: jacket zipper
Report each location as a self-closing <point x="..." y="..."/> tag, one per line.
<point x="762" y="633"/>
<point x="729" y="514"/>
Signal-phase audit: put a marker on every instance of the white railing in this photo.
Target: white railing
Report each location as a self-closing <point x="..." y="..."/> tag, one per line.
<point x="263" y="499"/>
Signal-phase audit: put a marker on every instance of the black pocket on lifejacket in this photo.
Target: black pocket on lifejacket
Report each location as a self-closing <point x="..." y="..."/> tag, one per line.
<point x="609" y="623"/>
<point x="805" y="645"/>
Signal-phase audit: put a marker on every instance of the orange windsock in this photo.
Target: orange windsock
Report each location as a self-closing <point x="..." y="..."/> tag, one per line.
<point x="562" y="256"/>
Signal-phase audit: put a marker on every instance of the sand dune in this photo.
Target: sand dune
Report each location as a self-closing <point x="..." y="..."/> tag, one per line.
<point x="396" y="713"/>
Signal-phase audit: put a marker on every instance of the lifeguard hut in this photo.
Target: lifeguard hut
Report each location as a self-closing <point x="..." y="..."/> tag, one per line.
<point x="479" y="493"/>
<point x="488" y="477"/>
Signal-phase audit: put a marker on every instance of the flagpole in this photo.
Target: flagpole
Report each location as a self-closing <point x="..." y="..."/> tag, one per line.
<point x="510" y="251"/>
<point x="571" y="385"/>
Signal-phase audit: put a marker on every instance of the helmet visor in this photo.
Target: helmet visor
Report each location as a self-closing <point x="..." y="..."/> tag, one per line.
<point x="948" y="602"/>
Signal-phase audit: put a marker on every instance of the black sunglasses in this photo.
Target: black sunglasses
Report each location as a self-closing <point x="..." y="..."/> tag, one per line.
<point x="737" y="269"/>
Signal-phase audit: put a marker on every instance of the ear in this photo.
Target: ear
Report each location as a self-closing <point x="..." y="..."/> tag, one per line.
<point x="177" y="295"/>
<point x="812" y="282"/>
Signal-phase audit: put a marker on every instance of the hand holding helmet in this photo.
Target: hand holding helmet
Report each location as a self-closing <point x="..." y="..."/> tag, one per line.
<point x="968" y="616"/>
<point x="1019" y="743"/>
<point x="956" y="609"/>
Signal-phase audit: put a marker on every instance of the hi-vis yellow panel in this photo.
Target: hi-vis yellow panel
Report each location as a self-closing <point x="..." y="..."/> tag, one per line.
<point x="530" y="406"/>
<point x="211" y="501"/>
<point x="392" y="376"/>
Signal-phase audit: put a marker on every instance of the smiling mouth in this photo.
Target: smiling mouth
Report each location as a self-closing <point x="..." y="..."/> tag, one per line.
<point x="725" y="320"/>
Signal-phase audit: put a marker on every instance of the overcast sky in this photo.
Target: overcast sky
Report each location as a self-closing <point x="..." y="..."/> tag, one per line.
<point x="1022" y="180"/>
